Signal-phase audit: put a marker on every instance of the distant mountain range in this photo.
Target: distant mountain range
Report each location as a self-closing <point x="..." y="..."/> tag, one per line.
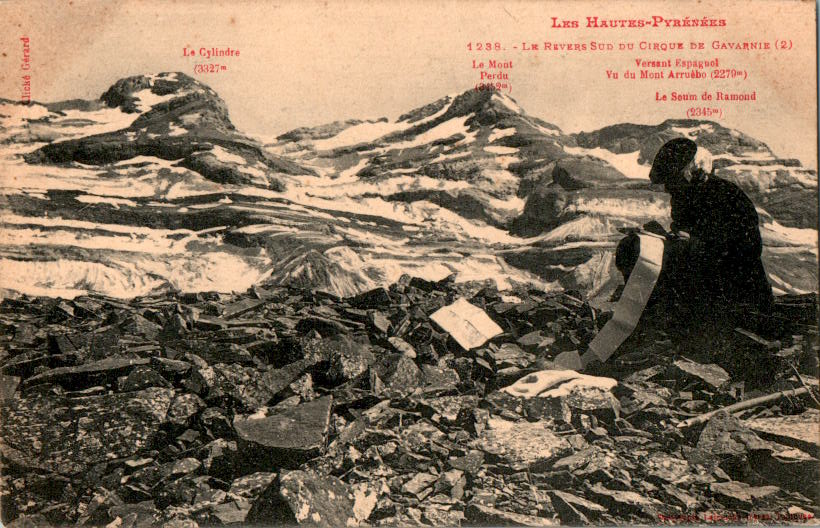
<point x="152" y="187"/>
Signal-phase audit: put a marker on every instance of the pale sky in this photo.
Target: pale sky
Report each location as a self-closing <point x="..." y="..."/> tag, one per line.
<point x="308" y="63"/>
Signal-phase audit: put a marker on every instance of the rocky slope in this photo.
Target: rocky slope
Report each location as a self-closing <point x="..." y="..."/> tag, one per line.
<point x="281" y="406"/>
<point x="151" y="187"/>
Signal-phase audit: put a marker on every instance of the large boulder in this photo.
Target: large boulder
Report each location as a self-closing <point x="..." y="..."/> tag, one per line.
<point x="286" y="438"/>
<point x="69" y="435"/>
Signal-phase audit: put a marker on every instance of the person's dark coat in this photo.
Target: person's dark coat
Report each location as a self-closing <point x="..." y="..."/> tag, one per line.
<point x="725" y="246"/>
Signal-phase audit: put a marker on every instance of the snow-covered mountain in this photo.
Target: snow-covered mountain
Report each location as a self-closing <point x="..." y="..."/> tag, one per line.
<point x="152" y="187"/>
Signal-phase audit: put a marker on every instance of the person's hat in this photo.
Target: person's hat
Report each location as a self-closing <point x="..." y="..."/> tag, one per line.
<point x="672" y="158"/>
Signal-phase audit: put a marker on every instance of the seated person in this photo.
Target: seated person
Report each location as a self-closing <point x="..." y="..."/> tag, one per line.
<point x="713" y="279"/>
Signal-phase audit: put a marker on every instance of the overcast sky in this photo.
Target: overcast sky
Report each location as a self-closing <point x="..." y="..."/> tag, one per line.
<point x="304" y="64"/>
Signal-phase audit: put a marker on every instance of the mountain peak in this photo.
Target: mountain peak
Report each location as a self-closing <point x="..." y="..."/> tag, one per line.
<point x="140" y="92"/>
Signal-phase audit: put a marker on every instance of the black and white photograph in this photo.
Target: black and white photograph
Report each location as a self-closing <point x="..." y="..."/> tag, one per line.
<point x="408" y="263"/>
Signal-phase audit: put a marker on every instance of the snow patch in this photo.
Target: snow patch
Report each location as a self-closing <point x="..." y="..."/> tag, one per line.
<point x="694" y="131"/>
<point x="621" y="207"/>
<point x="499" y="133"/>
<point x="362" y="133"/>
<point x="583" y="228"/>
<point x="776" y="234"/>
<point x="94" y="199"/>
<point x="174" y="130"/>
<point x="229" y="157"/>
<point x="508" y="102"/>
<point x="500" y="150"/>
<point x="146" y="99"/>
<point x="627" y="164"/>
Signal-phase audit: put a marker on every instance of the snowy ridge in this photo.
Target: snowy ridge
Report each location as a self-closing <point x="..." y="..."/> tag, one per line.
<point x="469" y="184"/>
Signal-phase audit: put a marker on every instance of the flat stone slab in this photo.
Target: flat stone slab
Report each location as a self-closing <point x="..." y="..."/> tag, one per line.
<point x="742" y="494"/>
<point x="481" y="514"/>
<point x="304" y="498"/>
<point x="725" y="436"/>
<point x="628" y="502"/>
<point x="522" y="443"/>
<point x="87" y="374"/>
<point x="710" y="373"/>
<point x="468" y="324"/>
<point x="69" y="435"/>
<point x="800" y="431"/>
<point x="289" y="437"/>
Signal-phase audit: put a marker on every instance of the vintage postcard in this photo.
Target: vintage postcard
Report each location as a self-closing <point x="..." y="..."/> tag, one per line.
<point x="408" y="263"/>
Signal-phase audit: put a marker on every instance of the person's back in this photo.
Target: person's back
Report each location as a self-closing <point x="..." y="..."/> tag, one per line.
<point x="725" y="245"/>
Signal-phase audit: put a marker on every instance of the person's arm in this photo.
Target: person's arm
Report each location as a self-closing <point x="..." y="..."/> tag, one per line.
<point x="683" y="215"/>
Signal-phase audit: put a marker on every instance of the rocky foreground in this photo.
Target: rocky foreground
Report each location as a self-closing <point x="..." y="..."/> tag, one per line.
<point x="283" y="406"/>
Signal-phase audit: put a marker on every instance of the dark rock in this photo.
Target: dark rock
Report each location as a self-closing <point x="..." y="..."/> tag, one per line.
<point x="69" y="435"/>
<point x="171" y="369"/>
<point x="304" y="498"/>
<point x="88" y="374"/>
<point x="32" y="362"/>
<point x="215" y="351"/>
<point x="710" y="374"/>
<point x="220" y="459"/>
<point x="137" y="325"/>
<point x="140" y="515"/>
<point x="241" y="307"/>
<point x="741" y="495"/>
<point x="140" y="378"/>
<point x="202" y="381"/>
<point x="288" y="438"/>
<point x="436" y="376"/>
<point x="99" y="507"/>
<point x="248" y="387"/>
<point x="349" y="359"/>
<point x="572" y="509"/>
<point x="626" y="502"/>
<point x="725" y="437"/>
<point x="395" y="373"/>
<point x="376" y="298"/>
<point x="325" y="326"/>
<point x="8" y="386"/>
<point x="61" y="344"/>
<point x="183" y="408"/>
<point x="788" y="468"/>
<point x="216" y="423"/>
<point x="470" y="463"/>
